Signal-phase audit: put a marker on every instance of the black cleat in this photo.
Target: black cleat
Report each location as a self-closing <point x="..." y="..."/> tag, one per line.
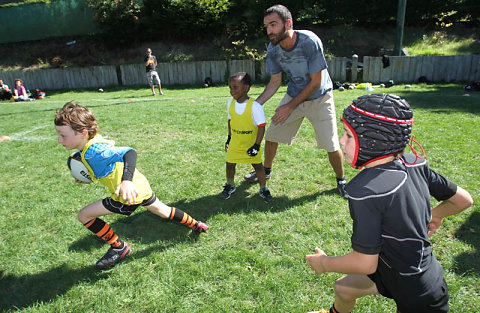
<point x="113" y="256"/>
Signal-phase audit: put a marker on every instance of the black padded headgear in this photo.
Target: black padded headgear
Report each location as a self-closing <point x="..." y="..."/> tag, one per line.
<point x="381" y="125"/>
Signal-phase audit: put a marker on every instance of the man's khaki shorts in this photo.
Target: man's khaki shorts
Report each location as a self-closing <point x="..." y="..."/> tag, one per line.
<point x="153" y="78"/>
<point x="320" y="112"/>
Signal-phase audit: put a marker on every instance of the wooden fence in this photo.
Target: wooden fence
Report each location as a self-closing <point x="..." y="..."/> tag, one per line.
<point x="434" y="68"/>
<point x="401" y="69"/>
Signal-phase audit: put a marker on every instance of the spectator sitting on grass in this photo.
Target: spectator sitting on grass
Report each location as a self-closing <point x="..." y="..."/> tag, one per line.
<point x="5" y="92"/>
<point x="19" y="91"/>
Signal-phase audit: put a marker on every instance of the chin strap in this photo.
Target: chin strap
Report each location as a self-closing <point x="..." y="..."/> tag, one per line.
<point x="410" y="144"/>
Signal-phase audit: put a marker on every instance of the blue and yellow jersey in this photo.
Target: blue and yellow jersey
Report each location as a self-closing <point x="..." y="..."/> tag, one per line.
<point x="104" y="162"/>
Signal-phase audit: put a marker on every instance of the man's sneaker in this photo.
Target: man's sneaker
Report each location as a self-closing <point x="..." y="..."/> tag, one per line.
<point x="162" y="93"/>
<point x="113" y="256"/>
<point x="227" y="191"/>
<point x="200" y="227"/>
<point x="341" y="188"/>
<point x="265" y="194"/>
<point x="252" y="177"/>
<point x="154" y="94"/>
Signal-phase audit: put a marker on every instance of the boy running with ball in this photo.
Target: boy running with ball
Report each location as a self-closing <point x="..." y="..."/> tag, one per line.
<point x="115" y="168"/>
<point x="246" y="127"/>
<point x="389" y="203"/>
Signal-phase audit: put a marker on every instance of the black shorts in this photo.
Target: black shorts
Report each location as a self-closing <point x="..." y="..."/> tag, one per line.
<point x="125" y="209"/>
<point x="425" y="292"/>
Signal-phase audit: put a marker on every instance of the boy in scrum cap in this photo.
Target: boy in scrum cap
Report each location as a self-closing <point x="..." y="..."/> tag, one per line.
<point x="389" y="203"/>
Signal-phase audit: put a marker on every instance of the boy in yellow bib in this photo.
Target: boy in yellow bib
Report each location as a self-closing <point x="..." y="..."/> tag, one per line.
<point x="113" y="167"/>
<point x="246" y="127"/>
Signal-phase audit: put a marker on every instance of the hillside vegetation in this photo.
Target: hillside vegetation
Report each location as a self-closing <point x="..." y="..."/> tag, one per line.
<point x="337" y="40"/>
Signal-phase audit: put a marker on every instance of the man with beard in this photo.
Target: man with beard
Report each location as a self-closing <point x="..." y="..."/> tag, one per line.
<point x="299" y="53"/>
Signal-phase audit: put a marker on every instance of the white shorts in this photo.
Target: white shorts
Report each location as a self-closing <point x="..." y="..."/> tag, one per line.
<point x="153" y="78"/>
<point x="320" y="112"/>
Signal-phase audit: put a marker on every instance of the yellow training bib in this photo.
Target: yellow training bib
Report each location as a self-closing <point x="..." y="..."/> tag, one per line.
<point x="244" y="135"/>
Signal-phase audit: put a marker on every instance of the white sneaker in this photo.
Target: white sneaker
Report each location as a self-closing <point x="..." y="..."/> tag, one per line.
<point x="161" y="93"/>
<point x="154" y="94"/>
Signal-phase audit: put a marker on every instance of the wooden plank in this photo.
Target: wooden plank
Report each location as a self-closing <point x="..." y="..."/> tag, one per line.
<point x="377" y="67"/>
<point x="337" y="68"/>
<point x="463" y="72"/>
<point x="475" y="74"/>
<point x="439" y="69"/>
<point x="385" y="72"/>
<point x="428" y="67"/>
<point x="417" y="67"/>
<point x="366" y="70"/>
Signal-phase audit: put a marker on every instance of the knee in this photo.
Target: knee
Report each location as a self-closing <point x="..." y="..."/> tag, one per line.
<point x="83" y="217"/>
<point x="343" y="292"/>
<point x="258" y="166"/>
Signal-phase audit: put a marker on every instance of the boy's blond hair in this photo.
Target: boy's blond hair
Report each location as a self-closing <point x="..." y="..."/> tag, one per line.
<point x="78" y="117"/>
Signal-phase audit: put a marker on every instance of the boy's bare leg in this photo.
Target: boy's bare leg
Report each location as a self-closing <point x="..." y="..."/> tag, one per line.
<point x="159" y="208"/>
<point x="230" y="170"/>
<point x="351" y="287"/>
<point x="92" y="211"/>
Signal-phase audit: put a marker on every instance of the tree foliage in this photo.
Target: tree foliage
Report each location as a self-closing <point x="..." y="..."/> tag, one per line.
<point x="243" y="19"/>
<point x="118" y="19"/>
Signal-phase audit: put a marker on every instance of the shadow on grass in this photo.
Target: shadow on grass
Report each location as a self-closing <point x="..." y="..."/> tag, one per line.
<point x="148" y="228"/>
<point x="442" y="99"/>
<point x="242" y="202"/>
<point x="23" y="291"/>
<point x="469" y="262"/>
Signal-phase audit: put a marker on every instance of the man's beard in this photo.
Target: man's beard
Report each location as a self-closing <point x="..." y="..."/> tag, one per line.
<point x="279" y="37"/>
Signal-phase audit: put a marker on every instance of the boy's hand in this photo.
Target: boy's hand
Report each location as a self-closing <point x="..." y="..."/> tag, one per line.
<point x="228" y="142"/>
<point x="81" y="182"/>
<point x="315" y="261"/>
<point x="435" y="224"/>
<point x="253" y="151"/>
<point x="128" y="190"/>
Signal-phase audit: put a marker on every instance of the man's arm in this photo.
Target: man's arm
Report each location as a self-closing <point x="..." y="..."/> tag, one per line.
<point x="350" y="263"/>
<point x="282" y="112"/>
<point x="271" y="88"/>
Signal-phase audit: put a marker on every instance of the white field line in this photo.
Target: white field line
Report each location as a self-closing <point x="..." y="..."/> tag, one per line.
<point x="21" y="136"/>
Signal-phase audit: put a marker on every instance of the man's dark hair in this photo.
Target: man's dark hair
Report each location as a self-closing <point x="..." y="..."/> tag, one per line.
<point x="281" y="10"/>
<point x="243" y="77"/>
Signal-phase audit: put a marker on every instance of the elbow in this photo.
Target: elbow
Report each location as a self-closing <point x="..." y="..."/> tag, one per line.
<point x="371" y="268"/>
<point x="464" y="198"/>
<point x="370" y="264"/>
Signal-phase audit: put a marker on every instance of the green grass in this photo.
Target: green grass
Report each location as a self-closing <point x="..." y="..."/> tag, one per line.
<point x="253" y="257"/>
<point x="440" y="44"/>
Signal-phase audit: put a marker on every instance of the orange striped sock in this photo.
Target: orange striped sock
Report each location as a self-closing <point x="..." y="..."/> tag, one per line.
<point x="333" y="310"/>
<point x="179" y="216"/>
<point x="103" y="230"/>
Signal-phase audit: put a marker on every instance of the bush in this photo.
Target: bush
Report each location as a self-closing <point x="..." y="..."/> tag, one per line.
<point x="116" y="17"/>
<point x="185" y="19"/>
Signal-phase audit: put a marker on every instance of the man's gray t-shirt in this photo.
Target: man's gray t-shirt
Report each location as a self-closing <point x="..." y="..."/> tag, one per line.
<point x="305" y="58"/>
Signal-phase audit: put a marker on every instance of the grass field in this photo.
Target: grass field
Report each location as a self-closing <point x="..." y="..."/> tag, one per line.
<point x="253" y="257"/>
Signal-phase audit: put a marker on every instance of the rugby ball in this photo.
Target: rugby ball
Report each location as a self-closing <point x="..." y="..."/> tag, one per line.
<point x="78" y="170"/>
